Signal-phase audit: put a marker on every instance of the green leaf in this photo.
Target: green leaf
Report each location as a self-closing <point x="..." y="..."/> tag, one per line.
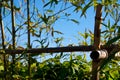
<point x="113" y="40"/>
<point x="51" y="3"/>
<point x="50" y="11"/>
<point x="107" y="25"/>
<point x="9" y="31"/>
<point x="104" y="25"/>
<point x="78" y="8"/>
<point x="57" y="40"/>
<point x="45" y="18"/>
<point x="47" y="4"/>
<point x="81" y="34"/>
<point x="84" y="43"/>
<point x="75" y="21"/>
<point x="106" y="61"/>
<point x="118" y="33"/>
<point x="95" y="2"/>
<point x="85" y="8"/>
<point x="86" y="35"/>
<point x="58" y="32"/>
<point x="1" y="68"/>
<point x="84" y="57"/>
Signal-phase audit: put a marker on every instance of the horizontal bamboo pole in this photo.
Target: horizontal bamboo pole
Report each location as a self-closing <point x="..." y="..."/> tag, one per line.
<point x="57" y="49"/>
<point x="48" y="50"/>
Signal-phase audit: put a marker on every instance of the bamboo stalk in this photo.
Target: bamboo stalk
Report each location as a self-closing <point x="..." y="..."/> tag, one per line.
<point x="97" y="29"/>
<point x="3" y="40"/>
<point x="62" y="49"/>
<point x="13" y="36"/>
<point x="96" y="63"/>
<point x="50" y="50"/>
<point x="58" y="49"/>
<point x="28" y="17"/>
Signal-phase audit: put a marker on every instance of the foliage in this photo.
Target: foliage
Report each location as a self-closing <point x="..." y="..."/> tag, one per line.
<point x="42" y="20"/>
<point x="72" y="69"/>
<point x="111" y="71"/>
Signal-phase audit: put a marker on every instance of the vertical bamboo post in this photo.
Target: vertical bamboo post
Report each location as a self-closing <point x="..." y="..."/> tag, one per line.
<point x="96" y="63"/>
<point x="3" y="39"/>
<point x="13" y="36"/>
<point x="28" y="28"/>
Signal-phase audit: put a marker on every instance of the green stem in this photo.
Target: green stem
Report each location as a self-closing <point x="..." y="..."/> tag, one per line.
<point x="13" y="36"/>
<point x="28" y="17"/>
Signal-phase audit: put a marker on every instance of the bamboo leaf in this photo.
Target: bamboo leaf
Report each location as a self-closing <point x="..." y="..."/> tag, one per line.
<point x="50" y="11"/>
<point x="108" y="24"/>
<point x="104" y="24"/>
<point x="75" y="21"/>
<point x="113" y="40"/>
<point x="9" y="31"/>
<point x="58" y="32"/>
<point x="85" y="8"/>
<point x="47" y="4"/>
<point x="51" y="2"/>
<point x="118" y="33"/>
<point x="106" y="61"/>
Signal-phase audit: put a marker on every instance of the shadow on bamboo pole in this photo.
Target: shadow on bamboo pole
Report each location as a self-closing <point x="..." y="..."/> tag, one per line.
<point x="3" y="40"/>
<point x="28" y="28"/>
<point x="96" y="63"/>
<point x="13" y="36"/>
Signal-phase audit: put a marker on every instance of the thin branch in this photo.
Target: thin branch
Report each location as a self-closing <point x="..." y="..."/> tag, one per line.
<point x="28" y="20"/>
<point x="3" y="40"/>
<point x="13" y="35"/>
<point x="49" y="17"/>
<point x="28" y="28"/>
<point x="54" y="14"/>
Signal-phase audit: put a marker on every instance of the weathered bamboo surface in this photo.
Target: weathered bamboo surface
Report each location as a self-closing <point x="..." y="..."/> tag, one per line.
<point x="57" y="49"/>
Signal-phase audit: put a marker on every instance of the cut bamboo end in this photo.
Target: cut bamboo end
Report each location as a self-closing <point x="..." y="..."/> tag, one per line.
<point x="117" y="55"/>
<point x="99" y="54"/>
<point x="102" y="54"/>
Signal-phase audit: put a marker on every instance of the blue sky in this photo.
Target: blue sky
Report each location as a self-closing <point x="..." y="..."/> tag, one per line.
<point x="68" y="28"/>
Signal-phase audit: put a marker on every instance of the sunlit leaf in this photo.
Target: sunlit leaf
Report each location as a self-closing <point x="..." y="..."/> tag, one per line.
<point x="78" y="8"/>
<point x="85" y="8"/>
<point x="57" y="40"/>
<point x="95" y="2"/>
<point x="118" y="33"/>
<point x="50" y="11"/>
<point x="86" y="35"/>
